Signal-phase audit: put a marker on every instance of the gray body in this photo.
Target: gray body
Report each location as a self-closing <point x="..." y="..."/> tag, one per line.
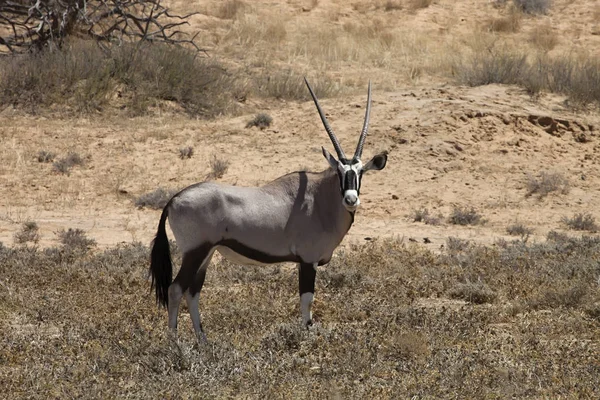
<point x="300" y="217"/>
<point x="290" y="219"/>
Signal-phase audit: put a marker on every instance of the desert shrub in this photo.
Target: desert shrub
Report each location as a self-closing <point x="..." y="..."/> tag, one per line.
<point x="533" y="6"/>
<point x="455" y="245"/>
<point x="418" y="4"/>
<point x="473" y="292"/>
<point x="547" y="183"/>
<point x="84" y="78"/>
<point x="29" y="233"/>
<point x="423" y="215"/>
<point x="494" y="66"/>
<point x="75" y="240"/>
<point x="465" y="216"/>
<point x="509" y="23"/>
<point x="581" y="222"/>
<point x="543" y="37"/>
<point x="554" y="297"/>
<point x="45" y="156"/>
<point x="186" y="152"/>
<point x="289" y="85"/>
<point x="518" y="229"/>
<point x="261" y="121"/>
<point x="392" y="5"/>
<point x="218" y="167"/>
<point x="156" y="199"/>
<point x="65" y="164"/>
<point x="229" y="9"/>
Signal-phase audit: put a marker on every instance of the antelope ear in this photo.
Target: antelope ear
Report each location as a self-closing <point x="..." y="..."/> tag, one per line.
<point x="377" y="163"/>
<point x="330" y="159"/>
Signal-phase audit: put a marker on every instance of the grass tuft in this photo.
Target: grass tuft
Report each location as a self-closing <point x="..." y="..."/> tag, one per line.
<point x="75" y="240"/>
<point x="186" y="152"/>
<point x="45" y="156"/>
<point x="156" y="199"/>
<point x="261" y="121"/>
<point x="29" y="233"/>
<point x="546" y="183"/>
<point x="473" y="292"/>
<point x="218" y="168"/>
<point x="581" y="222"/>
<point x="465" y="216"/>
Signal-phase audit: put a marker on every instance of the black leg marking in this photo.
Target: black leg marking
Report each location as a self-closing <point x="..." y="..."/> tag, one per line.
<point x="187" y="276"/>
<point x="307" y="276"/>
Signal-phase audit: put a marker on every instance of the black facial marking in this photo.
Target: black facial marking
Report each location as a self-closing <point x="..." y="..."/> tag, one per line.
<point x="257" y="255"/>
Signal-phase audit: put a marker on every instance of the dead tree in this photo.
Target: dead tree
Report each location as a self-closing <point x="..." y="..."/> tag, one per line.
<point x="29" y="25"/>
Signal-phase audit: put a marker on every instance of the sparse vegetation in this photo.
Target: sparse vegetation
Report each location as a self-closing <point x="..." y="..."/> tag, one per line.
<point x="465" y="216"/>
<point x="533" y="7"/>
<point x="509" y="23"/>
<point x="581" y="222"/>
<point x="30" y="232"/>
<point x="548" y="182"/>
<point x="65" y="164"/>
<point x="473" y="292"/>
<point x="186" y="152"/>
<point x="229" y="9"/>
<point x="75" y="240"/>
<point x="84" y="78"/>
<point x="289" y="85"/>
<point x="493" y="66"/>
<point x="63" y="316"/>
<point x="45" y="156"/>
<point x="218" y="168"/>
<point x="544" y="37"/>
<point x="519" y="229"/>
<point x="261" y="121"/>
<point x="423" y="215"/>
<point x="156" y="199"/>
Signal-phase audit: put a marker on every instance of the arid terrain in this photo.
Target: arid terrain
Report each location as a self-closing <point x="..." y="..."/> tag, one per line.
<point x="419" y="301"/>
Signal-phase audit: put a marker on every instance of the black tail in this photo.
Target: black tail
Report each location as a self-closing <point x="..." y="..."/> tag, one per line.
<point x="161" y="267"/>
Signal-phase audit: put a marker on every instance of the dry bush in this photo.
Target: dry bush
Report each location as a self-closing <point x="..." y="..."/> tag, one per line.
<point x="581" y="222"/>
<point x="519" y="229"/>
<point x="509" y="23"/>
<point x="423" y="215"/>
<point x="543" y="37"/>
<point x="261" y="121"/>
<point x="546" y="183"/>
<point x="156" y="199"/>
<point x="83" y="78"/>
<point x="75" y="240"/>
<point x="392" y="5"/>
<point x="418" y="4"/>
<point x="65" y="164"/>
<point x="45" y="156"/>
<point x="465" y="216"/>
<point x="186" y="152"/>
<point x="533" y="7"/>
<point x="289" y="85"/>
<point x="494" y="66"/>
<point x="30" y="232"/>
<point x="230" y="9"/>
<point x="218" y="168"/>
<point x="473" y="292"/>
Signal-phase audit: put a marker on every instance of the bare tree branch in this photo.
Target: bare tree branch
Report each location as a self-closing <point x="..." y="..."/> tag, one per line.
<point x="27" y="25"/>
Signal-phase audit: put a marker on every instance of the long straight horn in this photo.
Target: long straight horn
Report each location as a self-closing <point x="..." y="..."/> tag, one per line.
<point x="363" y="133"/>
<point x="334" y="140"/>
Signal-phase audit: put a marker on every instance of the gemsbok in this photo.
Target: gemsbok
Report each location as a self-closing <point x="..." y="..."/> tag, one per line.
<point x="300" y="217"/>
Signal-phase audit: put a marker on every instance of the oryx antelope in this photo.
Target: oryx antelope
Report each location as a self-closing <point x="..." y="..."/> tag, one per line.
<point x="300" y="217"/>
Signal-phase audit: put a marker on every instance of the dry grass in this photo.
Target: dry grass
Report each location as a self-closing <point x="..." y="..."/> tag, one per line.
<point x="83" y="78"/>
<point x="423" y="215"/>
<point x="156" y="199"/>
<point x="87" y="326"/>
<point x="260" y="121"/>
<point x="581" y="222"/>
<point x="533" y="7"/>
<point x="546" y="183"/>
<point x="543" y="37"/>
<point x="186" y="152"/>
<point x="465" y="216"/>
<point x="510" y="23"/>
<point x="218" y="168"/>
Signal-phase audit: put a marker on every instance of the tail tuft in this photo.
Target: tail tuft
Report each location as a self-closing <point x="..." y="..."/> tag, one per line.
<point x="161" y="267"/>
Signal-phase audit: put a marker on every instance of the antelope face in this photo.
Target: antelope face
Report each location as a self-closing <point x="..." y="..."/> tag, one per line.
<point x="350" y="173"/>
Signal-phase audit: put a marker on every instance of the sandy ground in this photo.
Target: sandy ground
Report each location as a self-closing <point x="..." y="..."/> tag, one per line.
<point x="449" y="146"/>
